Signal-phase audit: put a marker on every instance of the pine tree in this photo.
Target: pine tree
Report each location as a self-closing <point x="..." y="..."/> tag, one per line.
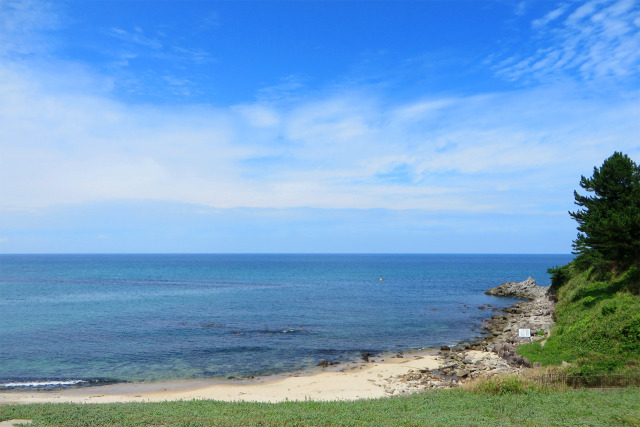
<point x="609" y="223"/>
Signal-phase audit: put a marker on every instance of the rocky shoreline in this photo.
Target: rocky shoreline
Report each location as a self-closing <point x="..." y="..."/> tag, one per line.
<point x="494" y="353"/>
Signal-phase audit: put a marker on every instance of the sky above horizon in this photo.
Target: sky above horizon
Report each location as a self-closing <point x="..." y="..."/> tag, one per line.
<point x="309" y="126"/>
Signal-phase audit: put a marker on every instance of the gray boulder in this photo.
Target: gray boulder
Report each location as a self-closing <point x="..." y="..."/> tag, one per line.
<point x="526" y="289"/>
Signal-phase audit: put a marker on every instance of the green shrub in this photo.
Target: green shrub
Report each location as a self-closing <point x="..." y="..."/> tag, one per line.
<point x="631" y="280"/>
<point x="608" y="309"/>
<point x="559" y="276"/>
<point x="499" y="385"/>
<point x="596" y="363"/>
<point x="631" y="335"/>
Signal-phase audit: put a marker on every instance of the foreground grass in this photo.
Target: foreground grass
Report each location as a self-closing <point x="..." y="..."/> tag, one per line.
<point x="619" y="407"/>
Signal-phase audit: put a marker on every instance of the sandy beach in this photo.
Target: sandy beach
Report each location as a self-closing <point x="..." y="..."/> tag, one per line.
<point x="349" y="381"/>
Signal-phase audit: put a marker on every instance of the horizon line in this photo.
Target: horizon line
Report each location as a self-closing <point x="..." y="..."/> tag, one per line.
<point x="282" y="253"/>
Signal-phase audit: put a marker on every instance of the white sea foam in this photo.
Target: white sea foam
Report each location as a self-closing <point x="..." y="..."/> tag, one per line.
<point x="41" y="383"/>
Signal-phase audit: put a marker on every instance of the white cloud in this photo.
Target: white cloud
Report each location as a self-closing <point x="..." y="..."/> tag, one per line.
<point x="136" y="44"/>
<point x="262" y="116"/>
<point x="520" y="8"/>
<point x="480" y="153"/>
<point x="65" y="140"/>
<point x="135" y="37"/>
<point x="598" y="39"/>
<point x="287" y="89"/>
<point x="549" y="17"/>
<point x="22" y="23"/>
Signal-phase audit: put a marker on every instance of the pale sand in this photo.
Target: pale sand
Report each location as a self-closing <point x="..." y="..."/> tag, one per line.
<point x="11" y="423"/>
<point x="341" y="382"/>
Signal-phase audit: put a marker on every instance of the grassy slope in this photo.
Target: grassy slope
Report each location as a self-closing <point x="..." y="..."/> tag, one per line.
<point x="447" y="407"/>
<point x="597" y="324"/>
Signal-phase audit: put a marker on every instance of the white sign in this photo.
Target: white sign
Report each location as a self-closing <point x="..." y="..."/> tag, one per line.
<point x="524" y="333"/>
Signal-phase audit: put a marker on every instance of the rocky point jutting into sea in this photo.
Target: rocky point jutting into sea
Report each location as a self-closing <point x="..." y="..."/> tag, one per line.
<point x="495" y="353"/>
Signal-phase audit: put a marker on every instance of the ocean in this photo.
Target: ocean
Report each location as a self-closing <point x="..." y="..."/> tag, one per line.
<point x="68" y="320"/>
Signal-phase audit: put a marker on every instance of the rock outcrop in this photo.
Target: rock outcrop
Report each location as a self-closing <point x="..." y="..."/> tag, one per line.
<point x="456" y="367"/>
<point x="526" y="290"/>
<point x="494" y="353"/>
<point x="502" y="330"/>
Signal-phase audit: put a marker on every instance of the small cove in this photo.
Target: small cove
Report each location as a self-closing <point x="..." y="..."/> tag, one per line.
<point x="141" y="318"/>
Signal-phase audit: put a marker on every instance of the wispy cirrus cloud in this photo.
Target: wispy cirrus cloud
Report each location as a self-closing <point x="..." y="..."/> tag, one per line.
<point x="143" y="64"/>
<point x="23" y="24"/>
<point x="593" y="40"/>
<point x="549" y="17"/>
<point x="135" y="38"/>
<point x="136" y="43"/>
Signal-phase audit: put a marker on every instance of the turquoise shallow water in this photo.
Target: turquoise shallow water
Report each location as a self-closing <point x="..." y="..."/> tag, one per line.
<point x="160" y="317"/>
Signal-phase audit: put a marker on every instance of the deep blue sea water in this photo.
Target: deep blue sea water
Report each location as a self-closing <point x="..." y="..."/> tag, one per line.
<point x="161" y="317"/>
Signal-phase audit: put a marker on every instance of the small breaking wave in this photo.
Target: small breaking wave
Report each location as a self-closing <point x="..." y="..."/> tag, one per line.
<point x="50" y="384"/>
<point x="41" y="383"/>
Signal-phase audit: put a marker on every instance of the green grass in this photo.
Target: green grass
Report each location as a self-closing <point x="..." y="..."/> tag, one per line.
<point x="597" y="324"/>
<point x="620" y="407"/>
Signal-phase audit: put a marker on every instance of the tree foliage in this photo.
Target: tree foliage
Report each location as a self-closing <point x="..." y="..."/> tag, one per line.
<point x="609" y="221"/>
<point x="559" y="276"/>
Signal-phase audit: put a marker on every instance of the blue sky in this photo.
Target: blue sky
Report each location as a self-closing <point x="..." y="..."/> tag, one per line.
<point x="308" y="126"/>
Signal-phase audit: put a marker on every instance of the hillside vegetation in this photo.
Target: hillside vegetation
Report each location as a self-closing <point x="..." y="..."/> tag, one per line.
<point x="597" y="323"/>
<point x="598" y="311"/>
